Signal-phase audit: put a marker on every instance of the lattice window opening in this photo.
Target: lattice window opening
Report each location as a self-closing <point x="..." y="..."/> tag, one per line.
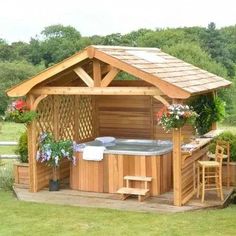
<point x="85" y="118"/>
<point x="44" y="121"/>
<point x="66" y="113"/>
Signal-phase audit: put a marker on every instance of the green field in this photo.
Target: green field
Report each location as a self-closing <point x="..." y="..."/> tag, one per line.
<point x="22" y="218"/>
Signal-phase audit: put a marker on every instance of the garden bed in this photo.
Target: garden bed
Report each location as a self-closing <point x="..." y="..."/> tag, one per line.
<point x="21" y="174"/>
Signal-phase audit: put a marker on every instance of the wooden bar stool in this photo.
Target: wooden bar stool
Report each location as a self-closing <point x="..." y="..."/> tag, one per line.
<point x="211" y="170"/>
<point x="226" y="156"/>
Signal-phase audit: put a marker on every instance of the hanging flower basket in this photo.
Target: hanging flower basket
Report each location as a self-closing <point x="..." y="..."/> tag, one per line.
<point x="19" y="112"/>
<point x="176" y="116"/>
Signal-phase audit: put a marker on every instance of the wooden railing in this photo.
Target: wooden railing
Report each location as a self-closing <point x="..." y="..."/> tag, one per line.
<point x="8" y="156"/>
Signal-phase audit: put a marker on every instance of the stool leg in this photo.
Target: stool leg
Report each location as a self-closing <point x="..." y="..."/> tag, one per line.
<point x="203" y="184"/>
<point x="198" y="181"/>
<point x="217" y="181"/>
<point x="220" y="186"/>
<point x="228" y="174"/>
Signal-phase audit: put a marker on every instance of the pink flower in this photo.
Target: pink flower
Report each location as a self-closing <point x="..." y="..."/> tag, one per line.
<point x="20" y="105"/>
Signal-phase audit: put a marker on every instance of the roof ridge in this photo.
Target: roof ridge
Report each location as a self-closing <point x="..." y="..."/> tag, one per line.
<point x="125" y="47"/>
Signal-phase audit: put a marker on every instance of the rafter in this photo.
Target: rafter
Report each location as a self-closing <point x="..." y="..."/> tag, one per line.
<point x="84" y="76"/>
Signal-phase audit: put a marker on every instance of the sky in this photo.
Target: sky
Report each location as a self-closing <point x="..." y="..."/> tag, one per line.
<point x="22" y="19"/>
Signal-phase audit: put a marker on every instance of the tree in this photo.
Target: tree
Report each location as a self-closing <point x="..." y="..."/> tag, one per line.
<point x="59" y="42"/>
<point x="12" y="73"/>
<point x="214" y="42"/>
<point x="162" y="38"/>
<point x="194" y="54"/>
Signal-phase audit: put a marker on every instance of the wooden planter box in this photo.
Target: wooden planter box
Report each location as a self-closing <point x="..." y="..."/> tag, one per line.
<point x="232" y="166"/>
<point x="21" y="174"/>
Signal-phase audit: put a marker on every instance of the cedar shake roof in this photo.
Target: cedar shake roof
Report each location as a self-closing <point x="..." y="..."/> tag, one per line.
<point x="174" y="77"/>
<point x="167" y="68"/>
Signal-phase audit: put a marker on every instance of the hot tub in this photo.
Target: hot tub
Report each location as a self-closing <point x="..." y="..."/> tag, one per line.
<point x="134" y="146"/>
<point x="123" y="157"/>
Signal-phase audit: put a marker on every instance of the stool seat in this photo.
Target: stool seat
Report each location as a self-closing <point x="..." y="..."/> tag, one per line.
<point x="209" y="163"/>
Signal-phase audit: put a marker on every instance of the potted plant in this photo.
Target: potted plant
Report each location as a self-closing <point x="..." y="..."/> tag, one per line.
<point x="19" y="112"/>
<point x="176" y="116"/>
<point x="52" y="152"/>
<point x="21" y="173"/>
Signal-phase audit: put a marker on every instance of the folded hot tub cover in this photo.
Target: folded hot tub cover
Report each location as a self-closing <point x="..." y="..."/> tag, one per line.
<point x="106" y="139"/>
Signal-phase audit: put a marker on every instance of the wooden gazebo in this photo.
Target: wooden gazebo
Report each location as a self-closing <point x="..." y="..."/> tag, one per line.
<point x="81" y="98"/>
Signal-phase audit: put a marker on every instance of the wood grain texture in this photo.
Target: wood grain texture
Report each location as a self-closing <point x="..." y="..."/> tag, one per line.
<point x="107" y="176"/>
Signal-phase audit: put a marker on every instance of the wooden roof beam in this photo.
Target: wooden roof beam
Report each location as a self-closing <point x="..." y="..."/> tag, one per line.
<point x="84" y="76"/>
<point x="25" y="86"/>
<point x="162" y="100"/>
<point x="152" y="91"/>
<point x="109" y="77"/>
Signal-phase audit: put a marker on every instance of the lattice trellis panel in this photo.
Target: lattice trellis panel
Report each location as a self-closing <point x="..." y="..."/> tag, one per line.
<point x="45" y="121"/>
<point x="85" y="117"/>
<point x="65" y="119"/>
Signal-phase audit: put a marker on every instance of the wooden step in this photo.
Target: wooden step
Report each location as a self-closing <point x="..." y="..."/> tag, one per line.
<point x="138" y="178"/>
<point x="133" y="191"/>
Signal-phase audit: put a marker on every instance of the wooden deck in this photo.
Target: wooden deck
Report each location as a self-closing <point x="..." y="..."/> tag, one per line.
<point x="163" y="203"/>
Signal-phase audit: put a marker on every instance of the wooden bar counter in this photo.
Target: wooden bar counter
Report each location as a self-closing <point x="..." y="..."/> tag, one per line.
<point x="189" y="163"/>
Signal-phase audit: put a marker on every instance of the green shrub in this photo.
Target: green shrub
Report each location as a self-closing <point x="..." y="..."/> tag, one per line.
<point x="6" y="176"/>
<point x="22" y="148"/>
<point x="209" y="109"/>
<point x="229" y="137"/>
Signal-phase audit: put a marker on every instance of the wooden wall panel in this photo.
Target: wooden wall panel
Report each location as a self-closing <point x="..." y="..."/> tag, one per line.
<point x="133" y="117"/>
<point x="124" y="116"/>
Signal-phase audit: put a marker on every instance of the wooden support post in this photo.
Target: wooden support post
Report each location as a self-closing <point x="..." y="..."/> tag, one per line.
<point x="56" y="131"/>
<point x="31" y="132"/>
<point x="177" y="166"/>
<point x="76" y="118"/>
<point x="97" y="74"/>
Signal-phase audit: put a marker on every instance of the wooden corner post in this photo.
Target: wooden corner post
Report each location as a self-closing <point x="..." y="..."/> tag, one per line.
<point x="31" y="133"/>
<point x="177" y="188"/>
<point x="33" y="102"/>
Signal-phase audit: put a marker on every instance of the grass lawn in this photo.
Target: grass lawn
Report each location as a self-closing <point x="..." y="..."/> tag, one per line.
<point x="22" y="218"/>
<point x="10" y="132"/>
<point x="228" y="128"/>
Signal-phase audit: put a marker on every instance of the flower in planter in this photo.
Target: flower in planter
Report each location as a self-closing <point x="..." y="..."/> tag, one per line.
<point x="175" y="116"/>
<point x="52" y="151"/>
<point x="19" y="112"/>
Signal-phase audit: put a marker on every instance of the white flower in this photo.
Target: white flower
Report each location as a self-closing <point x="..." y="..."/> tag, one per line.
<point x="177" y="117"/>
